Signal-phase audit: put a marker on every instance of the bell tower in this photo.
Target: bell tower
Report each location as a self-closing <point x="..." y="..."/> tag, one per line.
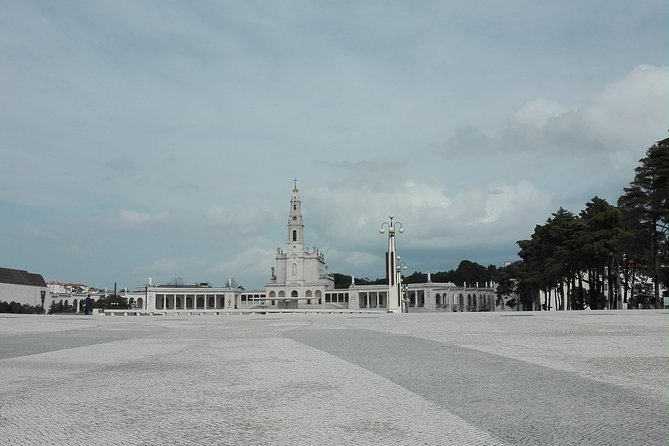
<point x="300" y="277"/>
<point x="295" y="222"/>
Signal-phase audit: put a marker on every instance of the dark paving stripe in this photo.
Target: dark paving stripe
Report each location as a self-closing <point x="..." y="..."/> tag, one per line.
<point x="518" y="402"/>
<point x="34" y="343"/>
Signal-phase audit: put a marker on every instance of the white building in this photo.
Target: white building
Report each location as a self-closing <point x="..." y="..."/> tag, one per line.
<point x="24" y="288"/>
<point x="300" y="277"/>
<point x="300" y="280"/>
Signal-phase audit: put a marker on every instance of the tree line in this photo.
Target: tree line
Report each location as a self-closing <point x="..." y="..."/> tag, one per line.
<point x="467" y="272"/>
<point x="604" y="256"/>
<point x="110" y="301"/>
<point x="19" y="308"/>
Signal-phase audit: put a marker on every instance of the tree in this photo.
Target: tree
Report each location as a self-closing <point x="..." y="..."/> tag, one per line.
<point x="604" y="246"/>
<point x="549" y="261"/>
<point x="415" y="277"/>
<point x="646" y="202"/>
<point x="507" y="285"/>
<point x="175" y="282"/>
<point x="561" y="265"/>
<point x="60" y="307"/>
<point x="467" y="272"/>
<point x="341" y="280"/>
<point x="344" y="281"/>
<point x="643" y="296"/>
<point x="16" y="307"/>
<point x="599" y="251"/>
<point x="112" y="301"/>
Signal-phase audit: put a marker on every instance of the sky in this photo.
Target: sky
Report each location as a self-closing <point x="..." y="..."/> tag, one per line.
<point x="161" y="138"/>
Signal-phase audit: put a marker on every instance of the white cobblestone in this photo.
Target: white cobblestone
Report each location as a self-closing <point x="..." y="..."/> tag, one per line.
<point x="240" y="380"/>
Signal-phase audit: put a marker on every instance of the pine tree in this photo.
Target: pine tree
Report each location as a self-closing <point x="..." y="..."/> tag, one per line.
<point x="646" y="204"/>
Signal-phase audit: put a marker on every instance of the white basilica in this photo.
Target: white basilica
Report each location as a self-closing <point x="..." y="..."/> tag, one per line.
<point x="299" y="274"/>
<point x="300" y="281"/>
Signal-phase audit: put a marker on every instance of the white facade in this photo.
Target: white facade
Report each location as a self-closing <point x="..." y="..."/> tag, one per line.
<point x="23" y="287"/>
<point x="300" y="280"/>
<point x="300" y="277"/>
<point x="24" y="294"/>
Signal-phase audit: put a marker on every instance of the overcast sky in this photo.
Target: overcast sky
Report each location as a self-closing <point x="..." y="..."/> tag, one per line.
<point x="161" y="139"/>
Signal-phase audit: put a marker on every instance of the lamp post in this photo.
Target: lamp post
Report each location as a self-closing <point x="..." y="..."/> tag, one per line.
<point x="394" y="296"/>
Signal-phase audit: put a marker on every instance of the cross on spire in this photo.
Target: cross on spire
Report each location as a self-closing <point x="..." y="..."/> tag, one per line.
<point x="295" y="180"/>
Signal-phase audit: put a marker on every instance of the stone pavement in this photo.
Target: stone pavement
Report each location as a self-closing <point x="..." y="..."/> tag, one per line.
<point x="567" y="378"/>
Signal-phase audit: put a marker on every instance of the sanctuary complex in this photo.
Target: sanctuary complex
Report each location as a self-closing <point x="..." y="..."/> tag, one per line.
<point x="300" y="281"/>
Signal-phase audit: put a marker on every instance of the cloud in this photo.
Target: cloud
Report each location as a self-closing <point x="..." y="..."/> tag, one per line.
<point x="193" y="119"/>
<point x="237" y="216"/>
<point x="117" y="164"/>
<point x="511" y="204"/>
<point x="617" y="123"/>
<point x="534" y="115"/>
<point x="171" y="265"/>
<point x="140" y="218"/>
<point x="433" y="220"/>
<point x="631" y="109"/>
<point x="467" y="140"/>
<point x="354" y="260"/>
<point x="252" y="263"/>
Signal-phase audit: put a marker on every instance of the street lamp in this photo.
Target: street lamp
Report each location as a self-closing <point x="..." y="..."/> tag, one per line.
<point x="394" y="297"/>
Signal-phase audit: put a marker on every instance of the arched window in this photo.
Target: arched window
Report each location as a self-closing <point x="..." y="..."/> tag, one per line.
<point x="293" y="293"/>
<point x="294" y="235"/>
<point x="294" y="269"/>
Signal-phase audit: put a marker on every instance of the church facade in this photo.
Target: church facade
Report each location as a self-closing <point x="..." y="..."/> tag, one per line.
<point x="300" y="281"/>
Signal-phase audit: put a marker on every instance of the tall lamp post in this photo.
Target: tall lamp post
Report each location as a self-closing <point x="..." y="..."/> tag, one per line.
<point x="394" y="293"/>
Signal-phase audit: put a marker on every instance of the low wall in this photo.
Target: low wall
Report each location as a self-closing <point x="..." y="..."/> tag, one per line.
<point x="221" y="312"/>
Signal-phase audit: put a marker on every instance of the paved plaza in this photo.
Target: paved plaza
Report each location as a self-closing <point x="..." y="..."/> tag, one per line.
<point x="514" y="378"/>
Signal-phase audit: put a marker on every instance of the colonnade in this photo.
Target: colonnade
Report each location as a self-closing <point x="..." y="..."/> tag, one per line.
<point x="373" y="299"/>
<point x="192" y="301"/>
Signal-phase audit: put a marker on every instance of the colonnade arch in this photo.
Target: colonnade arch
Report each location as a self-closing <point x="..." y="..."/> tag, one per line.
<point x="188" y="302"/>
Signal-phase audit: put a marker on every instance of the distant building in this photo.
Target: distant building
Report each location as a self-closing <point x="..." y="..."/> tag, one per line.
<point x="23" y="287"/>
<point x="300" y="280"/>
<point x="64" y="288"/>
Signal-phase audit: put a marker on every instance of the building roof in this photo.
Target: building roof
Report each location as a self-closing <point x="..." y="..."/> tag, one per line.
<point x="20" y="277"/>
